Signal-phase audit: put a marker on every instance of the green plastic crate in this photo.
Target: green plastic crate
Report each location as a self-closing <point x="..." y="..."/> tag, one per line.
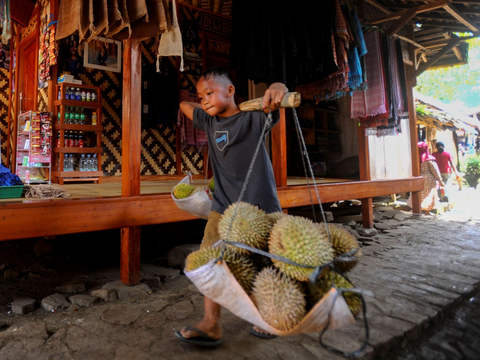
<point x="9" y="192"/>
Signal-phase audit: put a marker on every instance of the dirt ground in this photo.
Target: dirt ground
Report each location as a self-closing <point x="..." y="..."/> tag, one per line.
<point x="92" y="258"/>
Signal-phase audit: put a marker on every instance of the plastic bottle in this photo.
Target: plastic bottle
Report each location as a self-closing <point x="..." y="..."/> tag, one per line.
<point x="67" y="93"/>
<point x="77" y="115"/>
<point x="94" y="163"/>
<point x="66" y="161"/>
<point x="27" y="176"/>
<point x="89" y="96"/>
<point x="84" y="95"/>
<point x="78" y="95"/>
<point x="81" y="165"/>
<point x="71" y="140"/>
<point x="80" y="140"/>
<point x="94" y="96"/>
<point x="89" y="163"/>
<point x="94" y="118"/>
<point x="82" y="116"/>
<point x="75" y="139"/>
<point x="59" y="94"/>
<point x="58" y="139"/>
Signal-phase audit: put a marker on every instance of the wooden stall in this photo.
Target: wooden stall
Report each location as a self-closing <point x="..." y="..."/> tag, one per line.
<point x="130" y="208"/>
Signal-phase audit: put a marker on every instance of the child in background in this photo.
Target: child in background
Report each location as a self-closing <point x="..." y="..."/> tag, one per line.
<point x="232" y="138"/>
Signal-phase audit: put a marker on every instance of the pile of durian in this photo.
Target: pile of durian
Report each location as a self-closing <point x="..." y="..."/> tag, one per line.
<point x="281" y="292"/>
<point x="183" y="191"/>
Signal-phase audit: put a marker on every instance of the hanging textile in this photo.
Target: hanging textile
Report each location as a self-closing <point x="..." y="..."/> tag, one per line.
<point x="188" y="135"/>
<point x="5" y="20"/>
<point x="100" y="18"/>
<point x="171" y="41"/>
<point x="372" y="101"/>
<point x="158" y="22"/>
<point x="75" y="16"/>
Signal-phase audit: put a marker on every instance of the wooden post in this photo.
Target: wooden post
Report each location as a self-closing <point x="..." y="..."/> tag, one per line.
<point x="10" y="103"/>
<point x="279" y="150"/>
<point x="364" y="167"/>
<point x="412" y="117"/>
<point x="131" y="148"/>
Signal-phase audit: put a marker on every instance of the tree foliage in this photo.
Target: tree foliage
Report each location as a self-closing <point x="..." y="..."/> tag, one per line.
<point x="457" y="84"/>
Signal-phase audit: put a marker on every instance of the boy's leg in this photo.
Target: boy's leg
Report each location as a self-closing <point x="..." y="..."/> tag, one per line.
<point x="210" y="323"/>
<point x="211" y="320"/>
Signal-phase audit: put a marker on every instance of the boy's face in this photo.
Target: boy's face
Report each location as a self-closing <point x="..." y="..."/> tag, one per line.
<point x="215" y="94"/>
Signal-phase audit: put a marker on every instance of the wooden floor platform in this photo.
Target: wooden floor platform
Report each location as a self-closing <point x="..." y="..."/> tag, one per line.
<point x="147" y="187"/>
<point x="94" y="207"/>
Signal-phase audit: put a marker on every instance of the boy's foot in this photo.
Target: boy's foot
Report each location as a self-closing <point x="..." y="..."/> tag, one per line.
<point x="201" y="339"/>
<point x="262" y="333"/>
<point x="213" y="331"/>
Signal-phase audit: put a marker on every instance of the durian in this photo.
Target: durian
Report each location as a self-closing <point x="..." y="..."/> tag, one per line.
<point x="274" y="217"/>
<point x="250" y="226"/>
<point x="279" y="299"/>
<point x="315" y="292"/>
<point x="182" y="191"/>
<point x="241" y="268"/>
<point x="343" y="242"/>
<point x="302" y="241"/>
<point x="211" y="185"/>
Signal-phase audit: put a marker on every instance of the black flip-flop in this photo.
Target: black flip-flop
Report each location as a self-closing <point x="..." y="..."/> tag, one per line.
<point x="201" y="340"/>
<point x="262" y="335"/>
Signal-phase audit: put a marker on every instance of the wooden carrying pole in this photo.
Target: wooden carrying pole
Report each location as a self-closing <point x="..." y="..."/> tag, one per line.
<point x="131" y="148"/>
<point x="291" y="99"/>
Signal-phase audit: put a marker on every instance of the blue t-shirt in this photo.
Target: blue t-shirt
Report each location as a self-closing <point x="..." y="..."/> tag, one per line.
<point x="232" y="142"/>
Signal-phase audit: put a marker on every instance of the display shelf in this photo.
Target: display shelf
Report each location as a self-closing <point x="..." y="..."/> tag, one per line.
<point x="90" y="131"/>
<point x="34" y="144"/>
<point x="77" y="150"/>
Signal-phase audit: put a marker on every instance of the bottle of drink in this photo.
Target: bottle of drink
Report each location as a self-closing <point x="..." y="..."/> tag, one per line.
<point x="84" y="95"/>
<point x="80" y="140"/>
<point x="75" y="139"/>
<point x="66" y="162"/>
<point x="67" y="93"/>
<point x="95" y="163"/>
<point x="94" y="96"/>
<point x="71" y="140"/>
<point x="59" y="94"/>
<point x="89" y="96"/>
<point x="77" y="115"/>
<point x="81" y="165"/>
<point x="88" y="163"/>
<point x="94" y="118"/>
<point x="82" y="116"/>
<point x="58" y="139"/>
<point x="78" y="95"/>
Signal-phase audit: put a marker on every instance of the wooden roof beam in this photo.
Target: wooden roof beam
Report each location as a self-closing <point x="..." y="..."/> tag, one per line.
<point x="456" y="50"/>
<point x="379" y="6"/>
<point x="460" y="17"/>
<point x="451" y="25"/>
<point x="397" y="25"/>
<point x="417" y="9"/>
<point x="450" y="45"/>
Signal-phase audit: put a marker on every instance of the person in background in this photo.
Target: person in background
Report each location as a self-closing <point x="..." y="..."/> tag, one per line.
<point x="431" y="174"/>
<point x="444" y="162"/>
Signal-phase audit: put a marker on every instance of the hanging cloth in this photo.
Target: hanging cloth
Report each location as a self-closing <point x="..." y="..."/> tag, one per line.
<point x="171" y="41"/>
<point x="75" y="16"/>
<point x="6" y="33"/>
<point x="100" y="19"/>
<point x="371" y="101"/>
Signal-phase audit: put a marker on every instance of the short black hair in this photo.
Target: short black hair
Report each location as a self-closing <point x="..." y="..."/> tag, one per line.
<point x="217" y="71"/>
<point x="440" y="146"/>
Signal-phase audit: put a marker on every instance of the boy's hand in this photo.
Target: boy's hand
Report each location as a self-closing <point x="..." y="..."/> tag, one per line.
<point x="273" y="97"/>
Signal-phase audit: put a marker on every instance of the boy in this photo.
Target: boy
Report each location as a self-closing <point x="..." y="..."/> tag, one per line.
<point x="232" y="138"/>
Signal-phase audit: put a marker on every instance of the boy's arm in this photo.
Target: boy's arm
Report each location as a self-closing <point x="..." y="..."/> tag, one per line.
<point x="273" y="97"/>
<point x="187" y="108"/>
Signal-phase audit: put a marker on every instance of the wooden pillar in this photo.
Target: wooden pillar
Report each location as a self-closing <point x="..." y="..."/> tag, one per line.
<point x="10" y="101"/>
<point x="131" y="148"/>
<point x="364" y="166"/>
<point x="412" y="117"/>
<point x="279" y="150"/>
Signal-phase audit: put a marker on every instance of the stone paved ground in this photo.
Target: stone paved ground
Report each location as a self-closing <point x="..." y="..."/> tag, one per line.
<point x="422" y="276"/>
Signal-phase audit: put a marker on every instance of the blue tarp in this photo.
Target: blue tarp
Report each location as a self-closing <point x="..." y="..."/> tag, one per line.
<point x="7" y="178"/>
